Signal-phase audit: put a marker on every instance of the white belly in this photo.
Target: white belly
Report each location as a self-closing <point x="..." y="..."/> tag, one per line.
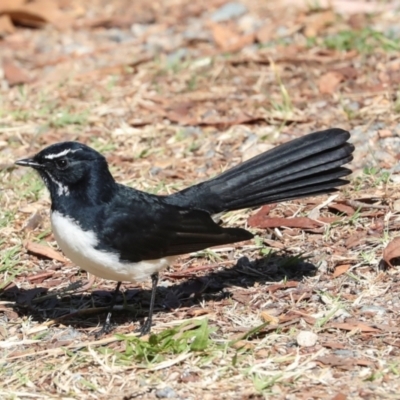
<point x="79" y="246"/>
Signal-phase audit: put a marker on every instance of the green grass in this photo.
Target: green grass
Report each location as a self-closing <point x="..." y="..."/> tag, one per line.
<point x="192" y="336"/>
<point x="66" y="117"/>
<point x="29" y="186"/>
<point x="9" y="261"/>
<point x="366" y="41"/>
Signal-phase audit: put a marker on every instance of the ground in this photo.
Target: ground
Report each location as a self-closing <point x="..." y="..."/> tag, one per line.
<point x="173" y="93"/>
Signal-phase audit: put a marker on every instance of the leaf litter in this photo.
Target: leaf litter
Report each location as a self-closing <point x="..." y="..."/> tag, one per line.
<point x="173" y="93"/>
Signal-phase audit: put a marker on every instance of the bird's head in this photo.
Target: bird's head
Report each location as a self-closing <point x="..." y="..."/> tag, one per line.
<point x="71" y="168"/>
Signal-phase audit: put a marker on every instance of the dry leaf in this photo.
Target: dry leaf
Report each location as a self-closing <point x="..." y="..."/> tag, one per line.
<point x="340" y="270"/>
<point x="343" y="208"/>
<point x="385" y="133"/>
<point x="44" y="251"/>
<point x="355" y="239"/>
<point x="287" y="285"/>
<point x="13" y="74"/>
<point x="348" y="326"/>
<point x="230" y="40"/>
<point x="242" y="344"/>
<point x="328" y="82"/>
<point x="344" y="362"/>
<point x="269" y="318"/>
<point x="276" y="222"/>
<point x="265" y="33"/>
<point x="392" y="251"/>
<point x="39" y="278"/>
<point x="316" y="22"/>
<point x="334" y="345"/>
<point x="347" y="72"/>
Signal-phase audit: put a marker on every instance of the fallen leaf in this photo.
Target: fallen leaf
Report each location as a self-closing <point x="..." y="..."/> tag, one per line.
<point x="328" y="82"/>
<point x="199" y="312"/>
<point x="242" y="344"/>
<point x="347" y="326"/>
<point x="343" y="208"/>
<point x="39" y="278"/>
<point x="344" y="362"/>
<point x="265" y="33"/>
<point x="287" y="285"/>
<point x="262" y="212"/>
<point x="334" y="345"/>
<point x="276" y="222"/>
<point x="44" y="251"/>
<point x="13" y="74"/>
<point x="221" y="123"/>
<point x="387" y="328"/>
<point x="355" y="239"/>
<point x="316" y="22"/>
<point x="33" y="221"/>
<point x="269" y="318"/>
<point x="340" y="270"/>
<point x="228" y="39"/>
<point x="392" y="251"/>
<point x="347" y="72"/>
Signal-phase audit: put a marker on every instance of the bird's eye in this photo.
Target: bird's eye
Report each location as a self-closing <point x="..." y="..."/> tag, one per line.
<point x="62" y="163"/>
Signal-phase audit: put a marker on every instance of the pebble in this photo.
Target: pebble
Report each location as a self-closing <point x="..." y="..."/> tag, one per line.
<point x="344" y="353"/>
<point x="177" y="56"/>
<point x="229" y="11"/>
<point x="373" y="309"/>
<point x="166" y="393"/>
<point x="307" y="339"/>
<point x="391" y="143"/>
<point x="68" y="334"/>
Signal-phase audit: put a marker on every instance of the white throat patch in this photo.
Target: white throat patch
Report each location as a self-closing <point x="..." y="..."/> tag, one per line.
<point x="62" y="190"/>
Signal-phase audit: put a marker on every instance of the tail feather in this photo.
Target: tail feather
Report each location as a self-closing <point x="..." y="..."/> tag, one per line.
<point x="310" y="165"/>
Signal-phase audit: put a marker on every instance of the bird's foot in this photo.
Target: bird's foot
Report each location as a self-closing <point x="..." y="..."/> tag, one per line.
<point x="145" y="328"/>
<point x="106" y="328"/>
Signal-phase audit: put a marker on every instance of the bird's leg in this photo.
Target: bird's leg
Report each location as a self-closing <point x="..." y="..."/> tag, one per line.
<point x="147" y="324"/>
<point x="107" y="323"/>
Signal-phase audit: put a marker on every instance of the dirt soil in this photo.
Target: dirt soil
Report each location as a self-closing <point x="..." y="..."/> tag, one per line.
<point x="173" y="93"/>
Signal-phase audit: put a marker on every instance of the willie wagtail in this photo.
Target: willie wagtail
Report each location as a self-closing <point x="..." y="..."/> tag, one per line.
<point x="123" y="234"/>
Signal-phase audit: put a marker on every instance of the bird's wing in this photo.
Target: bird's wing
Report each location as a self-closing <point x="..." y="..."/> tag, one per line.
<point x="148" y="228"/>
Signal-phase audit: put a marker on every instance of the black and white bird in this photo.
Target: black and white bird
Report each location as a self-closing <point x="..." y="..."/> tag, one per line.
<point x="119" y="233"/>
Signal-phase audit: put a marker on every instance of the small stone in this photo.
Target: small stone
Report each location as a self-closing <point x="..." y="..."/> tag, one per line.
<point x="396" y="204"/>
<point x="229" y="11"/>
<point x="395" y="178"/>
<point x="166" y="393"/>
<point x="177" y="56"/>
<point x="373" y="309"/>
<point x="307" y="339"/>
<point x="385" y="133"/>
<point x="344" y="353"/>
<point x="353" y="106"/>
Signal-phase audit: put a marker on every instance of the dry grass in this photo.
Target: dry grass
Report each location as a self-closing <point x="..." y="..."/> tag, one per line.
<point x="227" y="320"/>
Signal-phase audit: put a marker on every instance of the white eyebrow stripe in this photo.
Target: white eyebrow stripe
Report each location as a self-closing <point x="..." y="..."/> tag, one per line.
<point x="60" y="154"/>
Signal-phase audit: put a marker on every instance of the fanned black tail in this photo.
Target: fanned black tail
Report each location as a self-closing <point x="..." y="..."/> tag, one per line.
<point x="306" y="166"/>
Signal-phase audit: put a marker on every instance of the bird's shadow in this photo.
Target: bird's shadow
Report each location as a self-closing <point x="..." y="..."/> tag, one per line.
<point x="73" y="307"/>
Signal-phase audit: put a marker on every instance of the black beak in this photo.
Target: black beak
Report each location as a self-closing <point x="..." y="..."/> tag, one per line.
<point x="28" y="162"/>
